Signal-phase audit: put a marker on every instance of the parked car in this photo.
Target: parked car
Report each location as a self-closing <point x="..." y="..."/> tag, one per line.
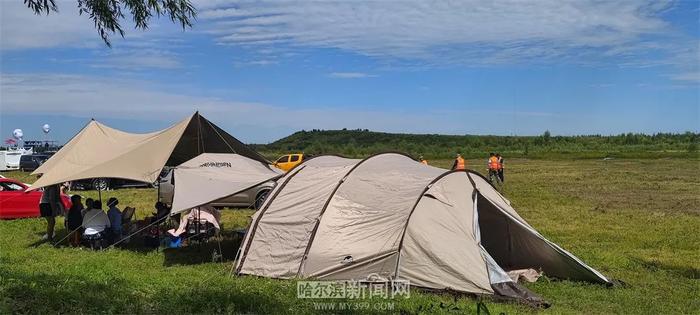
<point x="113" y="183"/>
<point x="16" y="203"/>
<point x="252" y="197"/>
<point x="9" y="160"/>
<point x="107" y="184"/>
<point x="28" y="163"/>
<point x="288" y="161"/>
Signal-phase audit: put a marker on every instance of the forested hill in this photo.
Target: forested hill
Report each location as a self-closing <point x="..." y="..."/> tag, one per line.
<point x="358" y="143"/>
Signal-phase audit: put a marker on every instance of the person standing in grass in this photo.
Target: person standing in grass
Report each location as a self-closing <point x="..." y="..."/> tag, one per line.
<point x="50" y="206"/>
<point x="74" y="220"/>
<point x="494" y="169"/>
<point x="500" y="167"/>
<point x="460" y="163"/>
<point x="422" y="160"/>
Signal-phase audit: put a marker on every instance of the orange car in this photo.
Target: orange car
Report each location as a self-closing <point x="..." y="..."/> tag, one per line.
<point x="287" y="162"/>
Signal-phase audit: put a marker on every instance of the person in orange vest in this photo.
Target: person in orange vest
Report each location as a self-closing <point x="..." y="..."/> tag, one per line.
<point x="460" y="163"/>
<point x="422" y="160"/>
<point x="493" y="165"/>
<point x="500" y="167"/>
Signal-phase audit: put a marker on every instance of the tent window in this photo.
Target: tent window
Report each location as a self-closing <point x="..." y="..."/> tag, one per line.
<point x="283" y="159"/>
<point x="294" y="158"/>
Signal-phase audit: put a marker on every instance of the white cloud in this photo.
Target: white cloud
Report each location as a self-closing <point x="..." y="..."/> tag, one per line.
<point x="20" y="28"/>
<point x="444" y="32"/>
<point x="102" y="97"/>
<point x="350" y="75"/>
<point x="85" y="96"/>
<point x="142" y="102"/>
<point x="139" y="59"/>
<point x="403" y="34"/>
<point x="88" y="96"/>
<point x="416" y="34"/>
<point x="687" y="76"/>
<point x="601" y="85"/>
<point x="142" y="50"/>
<point x="257" y="62"/>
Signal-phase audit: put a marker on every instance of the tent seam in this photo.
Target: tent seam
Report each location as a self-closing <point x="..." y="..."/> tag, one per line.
<point x="410" y="214"/>
<point x="254" y="226"/>
<point x="292" y="172"/>
<point x="328" y="201"/>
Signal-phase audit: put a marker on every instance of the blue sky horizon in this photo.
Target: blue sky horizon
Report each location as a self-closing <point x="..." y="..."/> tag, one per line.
<point x="263" y="70"/>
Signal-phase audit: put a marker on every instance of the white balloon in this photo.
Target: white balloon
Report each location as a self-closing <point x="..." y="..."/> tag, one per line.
<point x="18" y="134"/>
<point x="46" y="128"/>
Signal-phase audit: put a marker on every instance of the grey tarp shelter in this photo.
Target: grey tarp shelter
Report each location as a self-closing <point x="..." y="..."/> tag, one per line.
<point x="389" y="216"/>
<point x="101" y="151"/>
<point x="212" y="176"/>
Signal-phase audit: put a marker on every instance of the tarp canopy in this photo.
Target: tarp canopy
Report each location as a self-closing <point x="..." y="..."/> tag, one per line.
<point x="391" y="217"/>
<point x="100" y="151"/>
<point x="212" y="176"/>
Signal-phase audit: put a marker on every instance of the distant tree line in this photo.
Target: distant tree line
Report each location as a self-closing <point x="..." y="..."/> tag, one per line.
<point x="362" y="142"/>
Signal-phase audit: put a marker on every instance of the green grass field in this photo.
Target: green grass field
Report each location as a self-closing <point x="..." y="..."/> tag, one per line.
<point x="637" y="221"/>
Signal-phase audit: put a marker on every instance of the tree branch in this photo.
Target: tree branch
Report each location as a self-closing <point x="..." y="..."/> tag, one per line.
<point x="107" y="14"/>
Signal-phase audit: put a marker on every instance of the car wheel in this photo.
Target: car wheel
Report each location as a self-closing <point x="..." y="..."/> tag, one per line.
<point x="260" y="198"/>
<point x="100" y="183"/>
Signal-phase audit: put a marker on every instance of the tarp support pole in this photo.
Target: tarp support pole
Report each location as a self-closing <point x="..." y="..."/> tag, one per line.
<point x="199" y="134"/>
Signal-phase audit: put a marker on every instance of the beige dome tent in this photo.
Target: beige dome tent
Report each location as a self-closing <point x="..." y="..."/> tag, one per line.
<point x="389" y="216"/>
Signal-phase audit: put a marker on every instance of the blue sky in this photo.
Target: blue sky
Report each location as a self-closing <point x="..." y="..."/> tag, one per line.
<point x="263" y="70"/>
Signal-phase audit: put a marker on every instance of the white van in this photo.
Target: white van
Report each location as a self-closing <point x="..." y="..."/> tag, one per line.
<point x="9" y="160"/>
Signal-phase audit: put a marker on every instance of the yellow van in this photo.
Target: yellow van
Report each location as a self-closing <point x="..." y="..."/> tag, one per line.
<point x="287" y="162"/>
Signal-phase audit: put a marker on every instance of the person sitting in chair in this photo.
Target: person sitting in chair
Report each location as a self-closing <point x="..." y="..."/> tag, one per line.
<point x="115" y="219"/>
<point x="206" y="214"/>
<point x="88" y="206"/>
<point x="95" y="222"/>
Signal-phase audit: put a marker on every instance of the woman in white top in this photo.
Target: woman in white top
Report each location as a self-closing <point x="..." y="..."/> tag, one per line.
<point x="95" y="220"/>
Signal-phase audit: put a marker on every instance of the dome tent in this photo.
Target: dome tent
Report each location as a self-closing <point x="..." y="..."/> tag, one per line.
<point x="334" y="218"/>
